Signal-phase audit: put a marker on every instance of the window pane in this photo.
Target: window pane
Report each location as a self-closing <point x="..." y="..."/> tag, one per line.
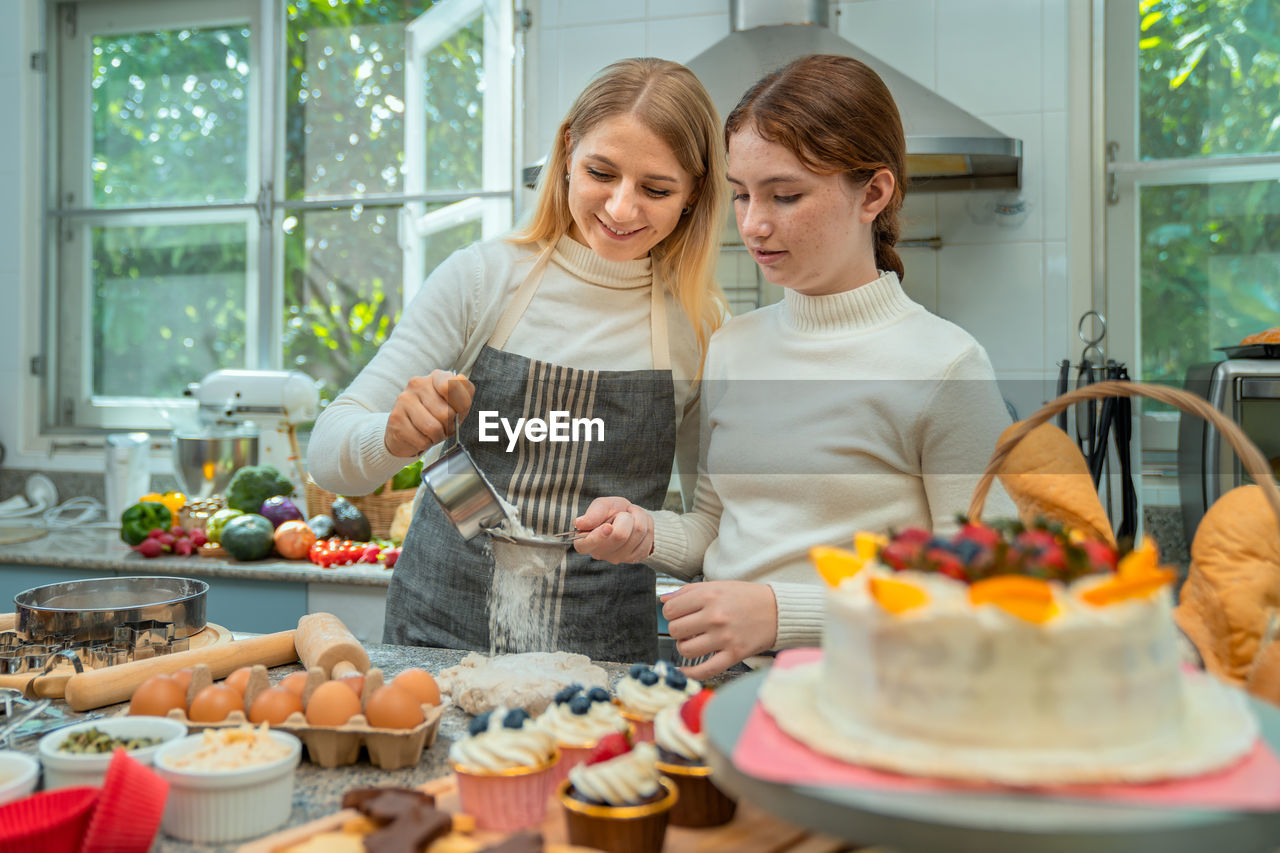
<point x="168" y="306"/>
<point x="454" y="89"/>
<point x="345" y="96"/>
<point x="171" y="116"/>
<point x="1208" y="75"/>
<point x="1210" y="260"/>
<point x="343" y="274"/>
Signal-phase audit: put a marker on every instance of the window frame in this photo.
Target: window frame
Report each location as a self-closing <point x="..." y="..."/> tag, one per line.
<point x="1126" y="175"/>
<point x="68" y="406"/>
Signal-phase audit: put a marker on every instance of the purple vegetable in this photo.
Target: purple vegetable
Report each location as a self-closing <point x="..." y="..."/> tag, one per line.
<point x="280" y="509"/>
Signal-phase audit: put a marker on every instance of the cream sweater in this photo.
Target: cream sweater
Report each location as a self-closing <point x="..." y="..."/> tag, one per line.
<point x="588" y="313"/>
<point x="822" y="416"/>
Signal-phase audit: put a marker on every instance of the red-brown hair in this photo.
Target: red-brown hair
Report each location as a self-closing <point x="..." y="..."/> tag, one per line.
<point x="837" y="117"/>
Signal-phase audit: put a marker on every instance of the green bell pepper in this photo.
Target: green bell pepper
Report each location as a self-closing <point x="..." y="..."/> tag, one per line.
<point x="141" y="518"/>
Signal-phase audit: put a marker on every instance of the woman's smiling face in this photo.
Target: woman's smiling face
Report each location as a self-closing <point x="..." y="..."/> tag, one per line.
<point x="626" y="189"/>
<point x="808" y="232"/>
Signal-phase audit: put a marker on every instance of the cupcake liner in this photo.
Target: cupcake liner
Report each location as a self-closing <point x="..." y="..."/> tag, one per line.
<point x="701" y="803"/>
<point x="47" y="821"/>
<point x="129" y="809"/>
<point x="642" y="729"/>
<point x="618" y="829"/>
<point x="570" y="757"/>
<point x="505" y="802"/>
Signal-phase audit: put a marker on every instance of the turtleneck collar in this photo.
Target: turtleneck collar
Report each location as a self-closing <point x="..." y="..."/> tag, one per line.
<point x="873" y="304"/>
<point x="582" y="262"/>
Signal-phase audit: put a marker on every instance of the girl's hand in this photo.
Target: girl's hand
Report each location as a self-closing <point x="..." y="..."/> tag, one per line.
<point x="424" y="412"/>
<point x="617" y="530"/>
<point x="729" y="620"/>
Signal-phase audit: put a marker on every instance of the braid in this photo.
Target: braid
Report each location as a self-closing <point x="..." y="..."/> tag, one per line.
<point x="885" y="234"/>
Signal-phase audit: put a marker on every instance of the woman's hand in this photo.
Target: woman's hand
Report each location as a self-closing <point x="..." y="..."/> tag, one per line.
<point x="729" y="620"/>
<point x="617" y="531"/>
<point x="424" y="412"/>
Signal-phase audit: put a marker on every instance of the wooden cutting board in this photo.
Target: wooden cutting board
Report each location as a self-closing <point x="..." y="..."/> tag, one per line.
<point x="50" y="686"/>
<point x="750" y="831"/>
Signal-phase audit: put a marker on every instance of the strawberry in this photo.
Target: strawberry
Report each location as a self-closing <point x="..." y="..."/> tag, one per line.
<point x="898" y="556"/>
<point x="691" y="710"/>
<point x="913" y="536"/>
<point x="1101" y="555"/>
<point x="945" y="562"/>
<point x="985" y="536"/>
<point x="610" y="746"/>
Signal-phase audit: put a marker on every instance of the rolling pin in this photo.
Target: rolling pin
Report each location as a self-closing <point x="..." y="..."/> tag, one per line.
<point x="112" y="684"/>
<point x="322" y="640"/>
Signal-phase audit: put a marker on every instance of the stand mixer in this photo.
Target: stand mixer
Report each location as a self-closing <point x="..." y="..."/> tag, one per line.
<point x="275" y="401"/>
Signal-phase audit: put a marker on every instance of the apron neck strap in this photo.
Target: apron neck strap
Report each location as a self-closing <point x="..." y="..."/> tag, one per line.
<point x="524" y="295"/>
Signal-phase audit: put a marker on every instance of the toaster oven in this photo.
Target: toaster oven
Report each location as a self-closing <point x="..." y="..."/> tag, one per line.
<point x="1248" y="392"/>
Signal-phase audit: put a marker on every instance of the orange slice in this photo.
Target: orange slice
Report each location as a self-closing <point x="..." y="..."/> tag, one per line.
<point x="1027" y="598"/>
<point x="897" y="596"/>
<point x="1122" y="588"/>
<point x="1141" y="562"/>
<point x="867" y="545"/>
<point x="835" y="564"/>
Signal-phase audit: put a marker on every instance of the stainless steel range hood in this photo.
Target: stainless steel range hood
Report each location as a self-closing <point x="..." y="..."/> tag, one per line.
<point x="947" y="148"/>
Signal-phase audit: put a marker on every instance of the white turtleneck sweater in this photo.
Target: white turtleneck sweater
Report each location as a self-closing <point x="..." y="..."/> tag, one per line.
<point x="823" y="416"/>
<point x="588" y="313"/>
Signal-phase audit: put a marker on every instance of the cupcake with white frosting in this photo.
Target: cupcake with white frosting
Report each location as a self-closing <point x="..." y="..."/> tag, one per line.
<point x="577" y="719"/>
<point x="618" y="801"/>
<point x="646" y="690"/>
<point x="505" y="770"/>
<point x="682" y="749"/>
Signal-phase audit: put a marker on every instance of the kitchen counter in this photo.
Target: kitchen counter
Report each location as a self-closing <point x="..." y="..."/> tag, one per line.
<point x="317" y="791"/>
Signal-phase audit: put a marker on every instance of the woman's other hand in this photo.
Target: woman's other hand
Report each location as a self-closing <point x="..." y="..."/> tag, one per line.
<point x="617" y="531"/>
<point x="728" y="620"/>
<point x="424" y="412"/>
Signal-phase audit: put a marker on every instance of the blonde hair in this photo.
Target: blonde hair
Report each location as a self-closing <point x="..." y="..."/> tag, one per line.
<point x="669" y="100"/>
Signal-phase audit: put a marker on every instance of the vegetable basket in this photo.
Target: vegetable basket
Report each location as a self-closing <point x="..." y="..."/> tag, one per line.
<point x="379" y="508"/>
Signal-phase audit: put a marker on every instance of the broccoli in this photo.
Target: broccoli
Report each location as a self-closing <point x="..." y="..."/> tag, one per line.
<point x="253" y="484"/>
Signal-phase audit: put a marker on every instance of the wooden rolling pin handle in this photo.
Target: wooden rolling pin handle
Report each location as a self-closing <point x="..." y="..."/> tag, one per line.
<point x="325" y="642"/>
<point x="113" y="684"/>
<point x="343" y="667"/>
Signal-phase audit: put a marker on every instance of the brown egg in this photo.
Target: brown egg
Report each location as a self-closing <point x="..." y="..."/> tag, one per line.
<point x="332" y="704"/>
<point x="294" y="681"/>
<point x="392" y="707"/>
<point x="274" y="705"/>
<point x="238" y="680"/>
<point x="214" y="703"/>
<point x="183" y="676"/>
<point x="157" y="696"/>
<point x="355" y="681"/>
<point x="420" y="684"/>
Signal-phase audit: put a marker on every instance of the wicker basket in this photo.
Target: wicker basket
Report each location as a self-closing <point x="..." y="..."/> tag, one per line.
<point x="380" y="509"/>
<point x="1250" y="457"/>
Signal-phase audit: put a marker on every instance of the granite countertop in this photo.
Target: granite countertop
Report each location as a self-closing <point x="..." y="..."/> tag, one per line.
<point x="100" y="549"/>
<point x="317" y="791"/>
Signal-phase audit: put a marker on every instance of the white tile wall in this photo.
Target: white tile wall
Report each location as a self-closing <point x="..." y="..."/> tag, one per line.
<point x="1054" y="165"/>
<point x="681" y="39"/>
<point x="989" y="55"/>
<point x="898" y="32"/>
<point x="678" y="8"/>
<point x="1054" y="55"/>
<point x="998" y="298"/>
<point x="1058" y="341"/>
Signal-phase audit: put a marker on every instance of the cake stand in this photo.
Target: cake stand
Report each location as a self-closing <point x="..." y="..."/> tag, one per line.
<point x="983" y="822"/>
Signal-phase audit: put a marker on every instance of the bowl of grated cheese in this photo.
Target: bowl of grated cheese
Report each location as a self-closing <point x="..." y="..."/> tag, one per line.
<point x="228" y="784"/>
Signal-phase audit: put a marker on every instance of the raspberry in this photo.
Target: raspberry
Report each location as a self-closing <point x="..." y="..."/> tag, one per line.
<point x="1100" y="554"/>
<point x="610" y="746"/>
<point x="691" y="710"/>
<point x="985" y="536"/>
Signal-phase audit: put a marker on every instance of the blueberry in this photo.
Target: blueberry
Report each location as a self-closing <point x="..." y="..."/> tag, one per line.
<point x="568" y="693"/>
<point x="579" y="705"/>
<point x="636" y="669"/>
<point x="599" y="694"/>
<point x="967" y="551"/>
<point x="515" y="719"/>
<point x="676" y="679"/>
<point x="479" y="723"/>
<point x="648" y="678"/>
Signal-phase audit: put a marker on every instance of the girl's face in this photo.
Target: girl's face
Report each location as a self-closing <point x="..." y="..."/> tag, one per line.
<point x="809" y="233"/>
<point x="626" y="189"/>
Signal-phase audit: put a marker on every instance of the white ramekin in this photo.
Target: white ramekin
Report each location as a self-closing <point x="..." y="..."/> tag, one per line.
<point x="64" y="769"/>
<point x="226" y="805"/>
<point x="18" y="774"/>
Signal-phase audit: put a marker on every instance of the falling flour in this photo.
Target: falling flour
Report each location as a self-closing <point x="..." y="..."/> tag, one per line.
<point x="520" y="618"/>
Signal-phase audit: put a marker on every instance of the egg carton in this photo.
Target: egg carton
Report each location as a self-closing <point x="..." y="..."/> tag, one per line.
<point x="329" y="746"/>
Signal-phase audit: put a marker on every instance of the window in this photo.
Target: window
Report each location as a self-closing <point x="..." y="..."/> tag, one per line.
<point x="256" y="184"/>
<point x="1193" y="215"/>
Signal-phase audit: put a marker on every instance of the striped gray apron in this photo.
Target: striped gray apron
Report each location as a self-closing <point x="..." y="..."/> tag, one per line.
<point x="444" y="592"/>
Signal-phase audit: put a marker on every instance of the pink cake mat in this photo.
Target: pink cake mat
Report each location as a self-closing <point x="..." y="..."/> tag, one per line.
<point x="765" y="752"/>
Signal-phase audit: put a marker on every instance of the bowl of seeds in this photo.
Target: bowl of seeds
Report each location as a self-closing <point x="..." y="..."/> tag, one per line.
<point x="79" y="754"/>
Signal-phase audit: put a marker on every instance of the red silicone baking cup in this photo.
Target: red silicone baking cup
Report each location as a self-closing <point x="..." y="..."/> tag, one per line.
<point x="47" y="821"/>
<point x="129" y="808"/>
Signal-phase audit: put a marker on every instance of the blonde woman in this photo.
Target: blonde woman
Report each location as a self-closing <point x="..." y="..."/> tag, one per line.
<point x="601" y="306"/>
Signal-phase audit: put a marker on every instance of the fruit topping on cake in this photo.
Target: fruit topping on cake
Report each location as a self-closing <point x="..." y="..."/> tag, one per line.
<point x="691" y="711"/>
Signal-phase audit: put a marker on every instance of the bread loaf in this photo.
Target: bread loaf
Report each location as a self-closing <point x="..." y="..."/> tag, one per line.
<point x="1047" y="476"/>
